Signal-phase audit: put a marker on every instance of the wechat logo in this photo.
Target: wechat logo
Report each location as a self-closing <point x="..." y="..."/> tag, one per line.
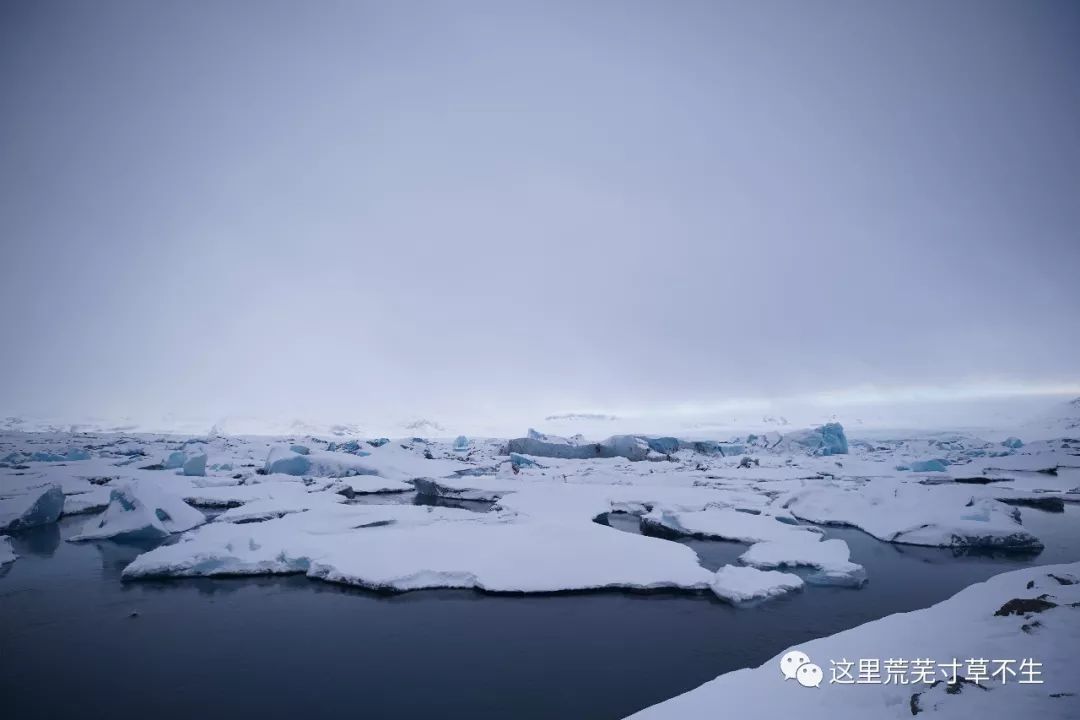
<point x="796" y="665"/>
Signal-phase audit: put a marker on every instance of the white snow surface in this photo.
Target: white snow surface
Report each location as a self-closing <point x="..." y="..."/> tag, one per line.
<point x="741" y="584"/>
<point x="962" y="627"/>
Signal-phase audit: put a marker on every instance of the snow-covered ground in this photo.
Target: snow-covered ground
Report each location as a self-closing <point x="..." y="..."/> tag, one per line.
<point x="1005" y="648"/>
<point x="331" y="508"/>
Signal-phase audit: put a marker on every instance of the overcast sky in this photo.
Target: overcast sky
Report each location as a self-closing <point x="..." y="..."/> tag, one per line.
<point x="481" y="210"/>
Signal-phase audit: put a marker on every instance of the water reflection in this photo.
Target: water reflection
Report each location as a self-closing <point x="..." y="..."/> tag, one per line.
<point x="41" y="541"/>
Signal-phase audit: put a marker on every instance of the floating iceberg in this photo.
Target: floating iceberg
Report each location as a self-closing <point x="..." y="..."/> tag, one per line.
<point x="31" y="506"/>
<point x="461" y="444"/>
<point x="739" y="584"/>
<point x="829" y="439"/>
<point x="141" y="511"/>
<point x="176" y="460"/>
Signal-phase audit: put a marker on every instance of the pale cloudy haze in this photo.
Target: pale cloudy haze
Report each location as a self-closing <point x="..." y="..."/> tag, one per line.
<point x="486" y="213"/>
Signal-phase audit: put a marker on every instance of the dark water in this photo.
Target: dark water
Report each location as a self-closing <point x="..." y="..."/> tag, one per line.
<point x="279" y="647"/>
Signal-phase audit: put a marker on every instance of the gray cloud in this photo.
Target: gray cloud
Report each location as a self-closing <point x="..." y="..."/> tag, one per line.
<point x="497" y="209"/>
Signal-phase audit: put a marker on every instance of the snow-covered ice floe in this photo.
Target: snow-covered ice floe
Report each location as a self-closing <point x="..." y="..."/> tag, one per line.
<point x="741" y="584"/>
<point x="830" y="557"/>
<point x="914" y="514"/>
<point x="1032" y="613"/>
<point x="141" y="511"/>
<point x="406" y="547"/>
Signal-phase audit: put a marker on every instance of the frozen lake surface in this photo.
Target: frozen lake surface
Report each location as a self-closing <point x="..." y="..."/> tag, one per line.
<point x="79" y="642"/>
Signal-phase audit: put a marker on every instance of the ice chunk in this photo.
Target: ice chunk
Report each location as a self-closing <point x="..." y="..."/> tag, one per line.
<point x="30" y="507"/>
<point x="176" y="460"/>
<point x="141" y="511"/>
<point x="287" y="462"/>
<point x="195" y="465"/>
<point x="7" y="553"/>
<point x="304" y="449"/>
<point x="915" y="514"/>
<point x="737" y="584"/>
<point x="1013" y="442"/>
<point x="831" y="557"/>
<point x="461" y="444"/>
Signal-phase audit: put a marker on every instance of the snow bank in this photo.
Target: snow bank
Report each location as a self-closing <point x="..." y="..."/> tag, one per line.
<point x="31" y="506"/>
<point x="141" y="511"/>
<point x="740" y="584"/>
<point x="965" y="626"/>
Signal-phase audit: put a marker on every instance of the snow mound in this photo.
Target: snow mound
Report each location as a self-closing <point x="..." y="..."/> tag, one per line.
<point x="141" y="511"/>
<point x="740" y="584"/>
<point x="30" y="507"/>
